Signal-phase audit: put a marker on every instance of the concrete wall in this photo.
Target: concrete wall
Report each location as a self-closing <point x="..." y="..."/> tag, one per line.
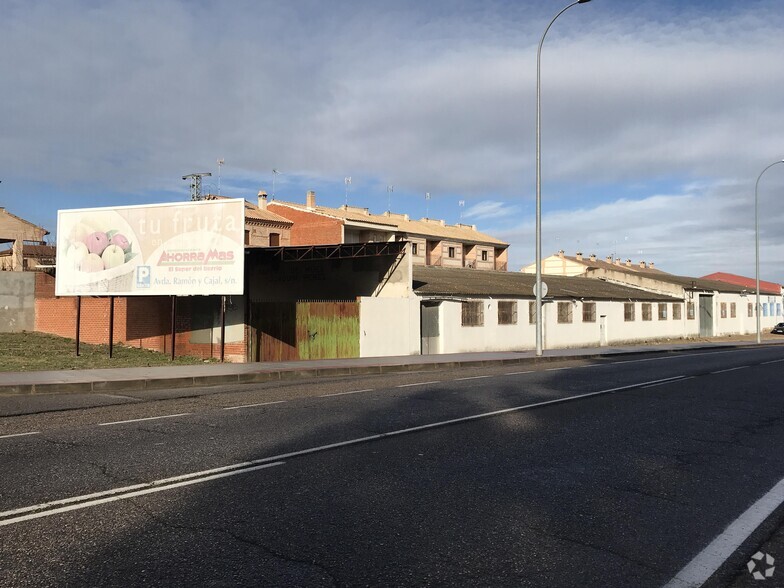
<point x="17" y="301"/>
<point x="388" y="326"/>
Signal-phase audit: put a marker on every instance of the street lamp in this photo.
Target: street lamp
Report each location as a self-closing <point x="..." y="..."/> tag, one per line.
<point x="538" y="286"/>
<point x="756" y="243"/>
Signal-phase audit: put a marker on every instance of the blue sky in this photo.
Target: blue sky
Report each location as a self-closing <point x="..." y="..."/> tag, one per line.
<point x="657" y="116"/>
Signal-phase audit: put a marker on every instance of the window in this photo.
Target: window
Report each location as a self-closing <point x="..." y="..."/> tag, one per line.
<point x="778" y="309"/>
<point x="733" y="310"/>
<point x="274" y="239"/>
<point x="690" y="311"/>
<point x="484" y="255"/>
<point x="647" y="313"/>
<point x="507" y="312"/>
<point x="764" y="309"/>
<point x="589" y="312"/>
<point x="414" y="249"/>
<point x="473" y="314"/>
<point x="532" y="313"/>
<point x="677" y="309"/>
<point x="751" y="309"/>
<point x="451" y="252"/>
<point x="663" y="311"/>
<point x="628" y="311"/>
<point x="564" y="312"/>
<point x="247" y="236"/>
<point x="723" y="310"/>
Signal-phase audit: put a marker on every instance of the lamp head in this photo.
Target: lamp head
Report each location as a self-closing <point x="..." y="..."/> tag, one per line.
<point x="583" y="1"/>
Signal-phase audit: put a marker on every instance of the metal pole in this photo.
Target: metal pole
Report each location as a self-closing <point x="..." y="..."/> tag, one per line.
<point x="756" y="245"/>
<point x="539" y="179"/>
<point x="223" y="328"/>
<point x="78" y="321"/>
<point x="111" y="326"/>
<point x="173" y="324"/>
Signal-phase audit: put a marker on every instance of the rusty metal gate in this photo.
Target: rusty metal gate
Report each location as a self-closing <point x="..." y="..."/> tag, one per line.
<point x="282" y="331"/>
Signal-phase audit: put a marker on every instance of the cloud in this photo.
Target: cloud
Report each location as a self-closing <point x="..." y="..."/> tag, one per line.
<point x="488" y="209"/>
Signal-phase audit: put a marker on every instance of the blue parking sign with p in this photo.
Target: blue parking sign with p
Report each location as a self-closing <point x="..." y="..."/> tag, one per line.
<point x="143" y="276"/>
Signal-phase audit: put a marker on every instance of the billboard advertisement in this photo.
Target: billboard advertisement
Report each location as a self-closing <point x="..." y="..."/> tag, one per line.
<point x="181" y="249"/>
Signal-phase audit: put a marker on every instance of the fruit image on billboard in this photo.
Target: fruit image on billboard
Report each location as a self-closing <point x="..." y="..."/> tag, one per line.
<point x="153" y="250"/>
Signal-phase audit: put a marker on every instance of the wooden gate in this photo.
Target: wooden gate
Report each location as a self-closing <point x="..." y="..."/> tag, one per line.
<point x="283" y="331"/>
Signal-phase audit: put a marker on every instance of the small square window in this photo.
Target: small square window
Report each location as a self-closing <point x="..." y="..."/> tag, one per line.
<point x="589" y="312"/>
<point x="473" y="314"/>
<point x="507" y="312"/>
<point x="564" y="312"/>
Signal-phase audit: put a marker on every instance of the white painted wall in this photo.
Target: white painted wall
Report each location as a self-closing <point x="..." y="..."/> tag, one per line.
<point x="388" y="326"/>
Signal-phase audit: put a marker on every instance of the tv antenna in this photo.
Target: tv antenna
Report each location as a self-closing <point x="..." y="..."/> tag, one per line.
<point x="461" y="204"/>
<point x="390" y="189"/>
<point x="220" y="163"/>
<point x="196" y="184"/>
<point x="427" y="204"/>
<point x="274" y="175"/>
<point x="347" y="181"/>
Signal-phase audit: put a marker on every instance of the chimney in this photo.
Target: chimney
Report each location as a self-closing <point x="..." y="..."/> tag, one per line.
<point x="628" y="263"/>
<point x="608" y="259"/>
<point x="593" y="257"/>
<point x="561" y="253"/>
<point x="579" y="256"/>
<point x="262" y="200"/>
<point x="642" y="265"/>
<point x="650" y="265"/>
<point x="618" y="262"/>
<point x="310" y="201"/>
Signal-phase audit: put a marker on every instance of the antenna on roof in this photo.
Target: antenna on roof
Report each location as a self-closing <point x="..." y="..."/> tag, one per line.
<point x="427" y="204"/>
<point x="347" y="181"/>
<point x="461" y="204"/>
<point x="196" y="183"/>
<point x="220" y="163"/>
<point x="274" y="175"/>
<point x="390" y="189"/>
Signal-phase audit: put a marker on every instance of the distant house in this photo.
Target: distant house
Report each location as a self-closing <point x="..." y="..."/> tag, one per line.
<point x="433" y="242"/>
<point x="263" y="228"/>
<point x="27" y="250"/>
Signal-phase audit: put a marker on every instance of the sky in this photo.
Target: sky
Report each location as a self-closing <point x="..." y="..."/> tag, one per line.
<point x="657" y="116"/>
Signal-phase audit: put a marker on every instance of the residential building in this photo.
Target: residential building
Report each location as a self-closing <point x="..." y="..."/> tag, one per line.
<point x="263" y="228"/>
<point x="27" y="250"/>
<point x="433" y="242"/>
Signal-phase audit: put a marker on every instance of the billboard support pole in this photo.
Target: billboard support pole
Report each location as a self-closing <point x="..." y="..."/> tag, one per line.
<point x="78" y="321"/>
<point x="173" y="324"/>
<point x="111" y="326"/>
<point x="223" y="327"/>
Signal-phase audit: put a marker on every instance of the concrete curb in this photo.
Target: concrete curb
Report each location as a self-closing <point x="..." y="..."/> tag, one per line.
<point x="179" y="382"/>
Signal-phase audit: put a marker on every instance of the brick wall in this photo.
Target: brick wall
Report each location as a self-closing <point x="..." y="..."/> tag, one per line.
<point x="310" y="228"/>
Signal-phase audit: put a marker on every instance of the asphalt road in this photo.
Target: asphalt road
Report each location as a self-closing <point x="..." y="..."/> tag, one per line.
<point x="604" y="473"/>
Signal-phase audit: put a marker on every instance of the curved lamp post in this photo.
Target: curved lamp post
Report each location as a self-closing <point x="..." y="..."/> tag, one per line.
<point x="756" y="243"/>
<point x="538" y="286"/>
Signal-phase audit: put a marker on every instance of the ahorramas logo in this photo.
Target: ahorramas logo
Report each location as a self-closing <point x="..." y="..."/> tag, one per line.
<point x="180" y="257"/>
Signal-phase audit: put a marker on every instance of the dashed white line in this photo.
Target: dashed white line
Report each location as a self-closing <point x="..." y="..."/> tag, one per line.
<point x="774" y="361"/>
<point x="20" y="434"/>
<point x="518" y="373"/>
<point x="252" y="405"/>
<point x="730" y="369"/>
<point x="418" y="384"/>
<point x="166" y="416"/>
<point x="558" y="369"/>
<point x="344" y="393"/>
<point x="710" y="559"/>
<point x="471" y="378"/>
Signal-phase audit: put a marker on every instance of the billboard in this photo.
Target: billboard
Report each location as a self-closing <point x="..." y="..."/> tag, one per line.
<point x="194" y="248"/>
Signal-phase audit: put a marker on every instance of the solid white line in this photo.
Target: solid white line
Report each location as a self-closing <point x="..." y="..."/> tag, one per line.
<point x="418" y="384"/>
<point x="20" y="434"/>
<point x="148" y="490"/>
<point x="730" y="369"/>
<point x="519" y="373"/>
<point x="284" y="456"/>
<point x="344" y="393"/>
<point x="166" y="416"/>
<point x="251" y="405"/>
<point x="774" y="361"/>
<point x="471" y="378"/>
<point x="705" y="564"/>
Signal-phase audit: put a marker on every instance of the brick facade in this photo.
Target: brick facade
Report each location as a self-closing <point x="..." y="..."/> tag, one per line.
<point x="310" y="228"/>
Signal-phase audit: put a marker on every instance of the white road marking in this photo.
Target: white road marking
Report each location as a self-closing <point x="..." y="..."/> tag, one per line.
<point x="774" y="361"/>
<point x="558" y="369"/>
<point x="344" y="393"/>
<point x="20" y="434"/>
<point x="128" y="491"/>
<point x="519" y="373"/>
<point x="730" y="369"/>
<point x="148" y="489"/>
<point x="472" y="378"/>
<point x="665" y="381"/>
<point x="710" y="559"/>
<point x="121" y="396"/>
<point x="252" y="405"/>
<point x="418" y="384"/>
<point x="166" y="416"/>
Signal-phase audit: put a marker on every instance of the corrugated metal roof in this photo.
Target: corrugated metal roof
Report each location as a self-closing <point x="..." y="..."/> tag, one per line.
<point x="438" y="281"/>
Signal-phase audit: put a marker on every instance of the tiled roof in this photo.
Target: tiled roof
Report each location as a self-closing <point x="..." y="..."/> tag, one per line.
<point x="438" y="281"/>
<point x="32" y="251"/>
<point x="255" y="213"/>
<point x="603" y="264"/>
<point x="399" y="223"/>
<point x="750" y="284"/>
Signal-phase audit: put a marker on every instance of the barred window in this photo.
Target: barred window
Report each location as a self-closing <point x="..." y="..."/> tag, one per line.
<point x="564" y="312"/>
<point x="507" y="312"/>
<point x="451" y="252"/>
<point x="677" y="309"/>
<point x="628" y="311"/>
<point x="690" y="311"/>
<point x="414" y="248"/>
<point x="647" y="311"/>
<point x="732" y="310"/>
<point x="484" y="255"/>
<point x="532" y="313"/>
<point x="589" y="312"/>
<point x="473" y="314"/>
<point x="723" y="310"/>
<point x="663" y="311"/>
<point x="751" y="310"/>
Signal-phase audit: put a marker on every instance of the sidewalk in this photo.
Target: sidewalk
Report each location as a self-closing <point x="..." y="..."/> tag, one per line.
<point x="191" y="376"/>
